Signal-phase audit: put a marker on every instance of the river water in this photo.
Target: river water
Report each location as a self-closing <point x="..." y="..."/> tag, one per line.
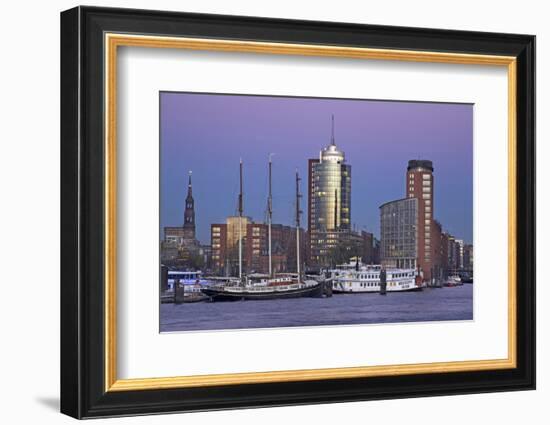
<point x="431" y="304"/>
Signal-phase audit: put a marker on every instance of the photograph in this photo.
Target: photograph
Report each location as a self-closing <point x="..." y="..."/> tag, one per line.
<point x="281" y="211"/>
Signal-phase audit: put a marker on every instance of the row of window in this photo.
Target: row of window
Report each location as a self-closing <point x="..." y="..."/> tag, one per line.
<point x="424" y="176"/>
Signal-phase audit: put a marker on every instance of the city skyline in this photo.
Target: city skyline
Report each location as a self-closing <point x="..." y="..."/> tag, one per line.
<point x="378" y="137"/>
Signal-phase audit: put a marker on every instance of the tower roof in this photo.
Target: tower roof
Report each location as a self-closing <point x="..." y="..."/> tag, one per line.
<point x="190" y="186"/>
<point x="420" y="163"/>
<point x="331" y="152"/>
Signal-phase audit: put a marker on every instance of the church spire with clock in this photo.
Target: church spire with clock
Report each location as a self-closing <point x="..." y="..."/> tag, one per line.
<point x="189" y="215"/>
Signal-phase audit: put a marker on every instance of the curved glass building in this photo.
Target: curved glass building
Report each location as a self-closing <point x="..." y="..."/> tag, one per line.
<point x="329" y="202"/>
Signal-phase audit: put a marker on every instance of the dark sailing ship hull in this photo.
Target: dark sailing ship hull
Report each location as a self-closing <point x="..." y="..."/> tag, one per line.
<point x="221" y="295"/>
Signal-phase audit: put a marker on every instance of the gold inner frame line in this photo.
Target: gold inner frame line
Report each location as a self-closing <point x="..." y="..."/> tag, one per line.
<point x="113" y="41"/>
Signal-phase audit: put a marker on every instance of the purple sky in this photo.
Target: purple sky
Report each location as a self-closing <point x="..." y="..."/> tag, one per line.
<point x="209" y="133"/>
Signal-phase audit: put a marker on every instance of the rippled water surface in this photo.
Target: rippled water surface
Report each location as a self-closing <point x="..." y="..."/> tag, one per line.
<point x="454" y="303"/>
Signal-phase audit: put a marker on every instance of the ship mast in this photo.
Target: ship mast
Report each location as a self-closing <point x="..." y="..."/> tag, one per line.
<point x="269" y="218"/>
<point x="298" y="212"/>
<point x="240" y="219"/>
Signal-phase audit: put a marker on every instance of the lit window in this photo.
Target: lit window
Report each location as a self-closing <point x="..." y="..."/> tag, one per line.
<point x="426" y="183"/>
<point x="425" y="177"/>
<point x="426" y="196"/>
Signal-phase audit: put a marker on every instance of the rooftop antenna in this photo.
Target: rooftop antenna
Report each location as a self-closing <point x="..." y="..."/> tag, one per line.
<point x="332" y="135"/>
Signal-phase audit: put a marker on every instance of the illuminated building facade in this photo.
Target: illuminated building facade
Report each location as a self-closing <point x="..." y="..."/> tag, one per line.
<point x="329" y="202"/>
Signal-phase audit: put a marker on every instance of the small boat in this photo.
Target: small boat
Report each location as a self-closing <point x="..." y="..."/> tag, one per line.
<point x="357" y="278"/>
<point x="453" y="280"/>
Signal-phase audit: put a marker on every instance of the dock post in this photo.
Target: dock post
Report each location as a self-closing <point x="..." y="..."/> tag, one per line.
<point x="383" y="284"/>
<point x="176" y="287"/>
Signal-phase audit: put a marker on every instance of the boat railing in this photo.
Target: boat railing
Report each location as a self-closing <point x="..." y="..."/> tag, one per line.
<point x="281" y="288"/>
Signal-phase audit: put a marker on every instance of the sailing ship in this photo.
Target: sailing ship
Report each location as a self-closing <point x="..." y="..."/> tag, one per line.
<point x="257" y="287"/>
<point x="357" y="278"/>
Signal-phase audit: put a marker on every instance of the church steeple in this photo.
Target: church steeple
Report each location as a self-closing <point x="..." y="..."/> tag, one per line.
<point x="189" y="215"/>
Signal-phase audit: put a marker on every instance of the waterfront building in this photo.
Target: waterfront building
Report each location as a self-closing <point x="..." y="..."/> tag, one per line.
<point x="236" y="229"/>
<point x="224" y="246"/>
<point x="169" y="250"/>
<point x="329" y="202"/>
<point x="438" y="273"/>
<point x="283" y="248"/>
<point x="205" y="252"/>
<point x="420" y="185"/>
<point x="224" y="241"/>
<point x="444" y="253"/>
<point x="218" y="244"/>
<point x="460" y="244"/>
<point x="468" y="258"/>
<point x="368" y="247"/>
<point x="398" y="233"/>
<point x="174" y="234"/>
<point x="453" y="252"/>
<point x="376" y="252"/>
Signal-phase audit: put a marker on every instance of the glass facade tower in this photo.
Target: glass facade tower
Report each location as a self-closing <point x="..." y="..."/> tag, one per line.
<point x="329" y="202"/>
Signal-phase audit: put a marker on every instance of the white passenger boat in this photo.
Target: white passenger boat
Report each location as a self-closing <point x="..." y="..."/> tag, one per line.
<point x="354" y="278"/>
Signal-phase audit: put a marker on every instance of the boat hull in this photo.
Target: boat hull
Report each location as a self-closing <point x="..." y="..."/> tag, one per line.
<point x="221" y="295"/>
<point x="375" y="291"/>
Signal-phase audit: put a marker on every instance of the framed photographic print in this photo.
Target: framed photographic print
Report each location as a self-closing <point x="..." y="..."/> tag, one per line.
<point x="261" y="212"/>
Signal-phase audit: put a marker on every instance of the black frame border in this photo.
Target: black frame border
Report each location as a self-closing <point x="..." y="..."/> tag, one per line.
<point x="82" y="205"/>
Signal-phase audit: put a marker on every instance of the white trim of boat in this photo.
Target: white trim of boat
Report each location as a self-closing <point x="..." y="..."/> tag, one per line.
<point x="267" y="287"/>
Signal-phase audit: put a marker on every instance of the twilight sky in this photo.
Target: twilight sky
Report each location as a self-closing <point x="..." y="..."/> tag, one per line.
<point x="209" y="133"/>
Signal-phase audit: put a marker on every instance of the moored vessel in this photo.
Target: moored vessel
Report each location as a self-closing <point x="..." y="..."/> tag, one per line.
<point x="357" y="278"/>
<point x="453" y="280"/>
<point x="184" y="287"/>
<point x="264" y="289"/>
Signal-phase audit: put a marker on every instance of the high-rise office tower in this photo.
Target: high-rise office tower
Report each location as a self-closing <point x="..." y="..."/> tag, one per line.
<point x="329" y="201"/>
<point x="420" y="185"/>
